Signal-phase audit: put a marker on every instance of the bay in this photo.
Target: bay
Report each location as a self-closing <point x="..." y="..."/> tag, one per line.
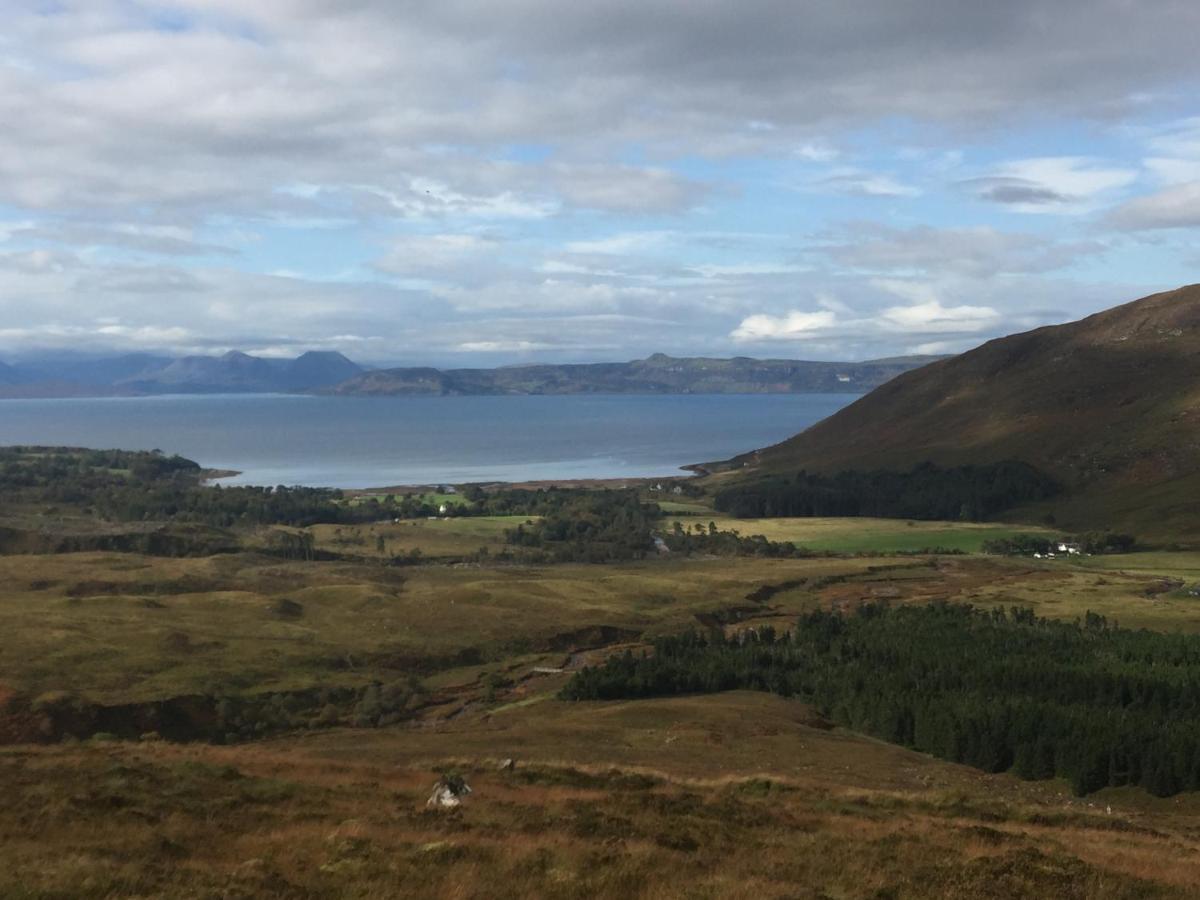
<point x="351" y="442"/>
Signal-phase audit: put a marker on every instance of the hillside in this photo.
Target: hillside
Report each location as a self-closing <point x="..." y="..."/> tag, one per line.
<point x="1108" y="405"/>
<point x="658" y="374"/>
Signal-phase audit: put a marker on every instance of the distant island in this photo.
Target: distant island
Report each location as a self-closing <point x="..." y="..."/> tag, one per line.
<point x="658" y="374"/>
<point x="332" y="374"/>
<point x="142" y="374"/>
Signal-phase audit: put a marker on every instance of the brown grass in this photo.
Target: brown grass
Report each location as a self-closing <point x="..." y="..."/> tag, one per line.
<point x="344" y="816"/>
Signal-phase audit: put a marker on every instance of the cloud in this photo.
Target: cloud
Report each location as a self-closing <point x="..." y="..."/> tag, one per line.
<point x="977" y="251"/>
<point x="931" y="317"/>
<point x="9" y="229"/>
<point x="523" y="175"/>
<point x="502" y="346"/>
<point x="615" y="188"/>
<point x="794" y="326"/>
<point x="619" y="244"/>
<point x="419" y="254"/>
<point x="1054" y="184"/>
<point x="817" y="151"/>
<point x="1177" y="206"/>
<point x="1015" y="191"/>
<point x="746" y="269"/>
<point x="116" y="111"/>
<point x="1174" y="152"/>
<point x="865" y="184"/>
<point x="942" y="348"/>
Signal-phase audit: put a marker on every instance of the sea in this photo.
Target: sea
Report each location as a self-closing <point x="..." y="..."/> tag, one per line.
<point x="358" y="442"/>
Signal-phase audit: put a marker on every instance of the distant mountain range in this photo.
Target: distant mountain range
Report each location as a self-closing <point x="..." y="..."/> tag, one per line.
<point x="135" y="374"/>
<point x="1108" y="405"/>
<point x="658" y="374"/>
<point x="334" y="374"/>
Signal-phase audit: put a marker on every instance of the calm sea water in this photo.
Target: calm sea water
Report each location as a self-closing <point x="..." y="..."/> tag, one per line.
<point x="365" y="442"/>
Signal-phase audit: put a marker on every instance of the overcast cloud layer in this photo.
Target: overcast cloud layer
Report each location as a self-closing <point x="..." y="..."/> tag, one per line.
<point x="469" y="183"/>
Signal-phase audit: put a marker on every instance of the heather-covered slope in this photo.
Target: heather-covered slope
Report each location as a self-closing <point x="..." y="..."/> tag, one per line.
<point x="1109" y="405"/>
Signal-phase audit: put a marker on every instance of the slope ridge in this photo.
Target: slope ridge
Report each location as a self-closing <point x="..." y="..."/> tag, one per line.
<point x="1109" y="405"/>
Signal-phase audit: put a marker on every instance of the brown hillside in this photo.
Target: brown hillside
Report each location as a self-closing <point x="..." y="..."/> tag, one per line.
<point x="1109" y="404"/>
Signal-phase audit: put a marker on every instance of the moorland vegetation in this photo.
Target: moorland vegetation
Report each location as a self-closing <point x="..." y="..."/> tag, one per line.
<point x="999" y="690"/>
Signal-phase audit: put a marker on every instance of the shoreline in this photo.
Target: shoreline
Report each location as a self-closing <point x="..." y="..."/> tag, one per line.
<point x="210" y="475"/>
<point x="525" y="485"/>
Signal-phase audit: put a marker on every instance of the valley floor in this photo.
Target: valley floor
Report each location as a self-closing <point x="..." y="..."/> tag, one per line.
<point x="729" y="795"/>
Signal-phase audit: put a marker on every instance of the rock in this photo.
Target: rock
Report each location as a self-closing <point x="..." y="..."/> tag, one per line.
<point x="448" y="792"/>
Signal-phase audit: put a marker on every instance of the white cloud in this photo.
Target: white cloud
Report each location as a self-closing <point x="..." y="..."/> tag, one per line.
<point x="817" y="151"/>
<point x="795" y="325"/>
<point x="931" y="317"/>
<point x="146" y="334"/>
<point x="864" y="184"/>
<point x="630" y="189"/>
<point x="502" y="346"/>
<point x="739" y="269"/>
<point x="421" y="253"/>
<point x="9" y="229"/>
<point x="1051" y="184"/>
<point x="977" y="251"/>
<point x="553" y="163"/>
<point x="620" y="244"/>
<point x="1173" y="153"/>
<point x="1177" y="206"/>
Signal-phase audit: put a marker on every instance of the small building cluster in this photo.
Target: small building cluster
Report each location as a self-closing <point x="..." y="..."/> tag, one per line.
<point x="1060" y="549"/>
<point x="674" y="489"/>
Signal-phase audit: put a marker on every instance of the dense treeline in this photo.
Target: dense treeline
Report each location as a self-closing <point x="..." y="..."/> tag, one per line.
<point x="1086" y="701"/>
<point x="586" y="526"/>
<point x="120" y="485"/>
<point x="77" y="471"/>
<point x="926" y="492"/>
<point x="711" y="540"/>
<point x="1091" y="542"/>
<point x="134" y="486"/>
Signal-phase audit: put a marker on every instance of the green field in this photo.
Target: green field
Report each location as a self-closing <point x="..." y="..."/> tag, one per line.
<point x="865" y="535"/>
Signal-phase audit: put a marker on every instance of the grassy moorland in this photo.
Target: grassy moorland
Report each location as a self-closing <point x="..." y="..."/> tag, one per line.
<point x="311" y="689"/>
<point x="727" y="796"/>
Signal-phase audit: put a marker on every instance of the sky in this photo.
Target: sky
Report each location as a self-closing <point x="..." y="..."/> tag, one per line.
<point x="479" y="183"/>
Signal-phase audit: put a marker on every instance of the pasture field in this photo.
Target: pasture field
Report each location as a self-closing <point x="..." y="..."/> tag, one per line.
<point x="867" y="535"/>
